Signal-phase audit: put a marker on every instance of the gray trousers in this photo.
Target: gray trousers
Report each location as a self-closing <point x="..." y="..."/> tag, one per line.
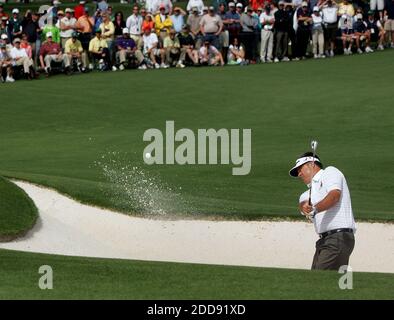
<point x="281" y="44"/>
<point x="333" y="251"/>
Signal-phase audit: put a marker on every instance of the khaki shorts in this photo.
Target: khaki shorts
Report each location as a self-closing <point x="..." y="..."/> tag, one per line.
<point x="389" y="25"/>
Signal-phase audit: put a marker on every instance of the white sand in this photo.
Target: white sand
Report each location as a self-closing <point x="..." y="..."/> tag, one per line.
<point x="67" y="227"/>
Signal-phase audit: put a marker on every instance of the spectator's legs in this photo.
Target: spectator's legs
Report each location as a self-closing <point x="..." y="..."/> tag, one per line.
<point x="278" y="48"/>
<point x="121" y="56"/>
<point x="168" y="58"/>
<point x="270" y="45"/>
<point x="65" y="59"/>
<point x="139" y="56"/>
<point x="315" y="35"/>
<point x="264" y="44"/>
<point x="321" y="42"/>
<point x="48" y="59"/>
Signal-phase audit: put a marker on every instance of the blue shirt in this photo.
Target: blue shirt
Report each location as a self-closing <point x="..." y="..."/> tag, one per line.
<point x="125" y="43"/>
<point x="178" y="22"/>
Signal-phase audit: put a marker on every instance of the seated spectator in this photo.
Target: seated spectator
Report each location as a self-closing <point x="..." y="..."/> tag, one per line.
<point x="73" y="49"/>
<point x="20" y="58"/>
<point x="151" y="50"/>
<point x="376" y="30"/>
<point x="345" y="25"/>
<point x="172" y="50"/>
<point x="236" y="53"/>
<point x="163" y="23"/>
<point x="209" y="55"/>
<point x="50" y="51"/>
<point x="108" y="32"/>
<point x="127" y="48"/>
<point x="361" y="33"/>
<point x="317" y="34"/>
<point x="5" y="64"/>
<point x="198" y="4"/>
<point x="98" y="50"/>
<point x="66" y="26"/>
<point x="187" y="43"/>
<point x="26" y="45"/>
<point x="178" y="19"/>
<point x="4" y="40"/>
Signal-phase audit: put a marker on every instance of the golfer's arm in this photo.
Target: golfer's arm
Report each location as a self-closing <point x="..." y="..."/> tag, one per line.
<point x="329" y="201"/>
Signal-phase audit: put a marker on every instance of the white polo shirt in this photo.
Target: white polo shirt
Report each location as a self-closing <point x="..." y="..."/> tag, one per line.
<point x="341" y="214"/>
<point x="149" y="41"/>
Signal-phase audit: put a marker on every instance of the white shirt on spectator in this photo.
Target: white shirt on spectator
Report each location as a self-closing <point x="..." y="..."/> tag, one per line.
<point x="330" y="14"/>
<point x="149" y="41"/>
<point x="134" y="24"/>
<point x="264" y="18"/>
<point x="157" y="3"/>
<point x="66" y="22"/>
<point x="341" y="214"/>
<point x="18" y="53"/>
<point x="195" y="3"/>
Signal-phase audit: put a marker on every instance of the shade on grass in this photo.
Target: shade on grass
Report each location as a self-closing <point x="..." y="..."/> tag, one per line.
<point x="57" y="132"/>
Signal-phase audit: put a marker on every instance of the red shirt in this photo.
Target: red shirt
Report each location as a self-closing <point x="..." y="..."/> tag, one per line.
<point x="49" y="48"/>
<point x="79" y="11"/>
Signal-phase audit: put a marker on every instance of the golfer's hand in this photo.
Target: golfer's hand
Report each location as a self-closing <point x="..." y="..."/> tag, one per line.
<point x="305" y="208"/>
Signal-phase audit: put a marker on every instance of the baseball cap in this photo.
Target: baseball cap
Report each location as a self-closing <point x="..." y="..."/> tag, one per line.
<point x="56" y="3"/>
<point x="48" y="34"/>
<point x="125" y="30"/>
<point x="239" y="5"/>
<point x="231" y="4"/>
<point x="4" y="36"/>
<point x="16" y="10"/>
<point x="304" y="4"/>
<point x="74" y="34"/>
<point x="249" y="9"/>
<point x="16" y="40"/>
<point x="316" y="8"/>
<point x="211" y="8"/>
<point x="98" y="30"/>
<point x="205" y="9"/>
<point x="371" y="13"/>
<point x="194" y="9"/>
<point x="60" y="12"/>
<point x="68" y="10"/>
<point x="4" y="18"/>
<point x="301" y="161"/>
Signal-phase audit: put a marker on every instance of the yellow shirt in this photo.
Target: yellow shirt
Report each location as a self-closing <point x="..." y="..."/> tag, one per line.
<point x="107" y="30"/>
<point x="346" y="9"/>
<point x="95" y="44"/>
<point x="164" y="25"/>
<point x="73" y="47"/>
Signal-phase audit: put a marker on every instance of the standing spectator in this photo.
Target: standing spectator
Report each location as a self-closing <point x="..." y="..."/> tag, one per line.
<point x="281" y="33"/>
<point x="376" y="30"/>
<point x="209" y="55"/>
<point x="195" y="4"/>
<point x="119" y="24"/>
<point x="193" y="21"/>
<point x="167" y="4"/>
<point x="377" y="5"/>
<point x="303" y="33"/>
<point x="178" y="19"/>
<point x="67" y="26"/>
<point x="150" y="6"/>
<point x="224" y="38"/>
<point x="108" y="33"/>
<point x="389" y="23"/>
<point x="330" y="21"/>
<point x="5" y="64"/>
<point x="127" y="49"/>
<point x="211" y="27"/>
<point x="187" y="43"/>
<point x="150" y="45"/>
<point x="32" y="31"/>
<point x="51" y="51"/>
<point x="248" y="34"/>
<point x="172" y="49"/>
<point x="317" y="34"/>
<point x="134" y="24"/>
<point x="20" y="58"/>
<point x="53" y="30"/>
<point x="79" y="10"/>
<point x="290" y="30"/>
<point x="345" y="24"/>
<point x="73" y="48"/>
<point x="346" y="7"/>
<point x="2" y="13"/>
<point x="147" y="23"/>
<point x="267" y="20"/>
<point x="14" y="25"/>
<point x="233" y="22"/>
<point x="98" y="50"/>
<point x="163" y="23"/>
<point x="85" y="26"/>
<point x="236" y="53"/>
<point x="256" y="4"/>
<point x="102" y="5"/>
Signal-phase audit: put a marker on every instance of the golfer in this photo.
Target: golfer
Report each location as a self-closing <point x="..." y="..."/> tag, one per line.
<point x="329" y="206"/>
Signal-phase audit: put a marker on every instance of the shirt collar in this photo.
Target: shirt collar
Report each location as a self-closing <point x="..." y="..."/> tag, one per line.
<point x="317" y="176"/>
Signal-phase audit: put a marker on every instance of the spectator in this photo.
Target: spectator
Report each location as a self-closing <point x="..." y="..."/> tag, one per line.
<point x="50" y="51"/>
<point x="211" y="26"/>
<point x="98" y="19"/>
<point x="5" y="64"/>
<point x="346" y="26"/>
<point x="178" y="19"/>
<point x="267" y="20"/>
<point x="32" y="31"/>
<point x="134" y="24"/>
<point x="224" y="38"/>
<point x="73" y="49"/>
<point x="3" y="25"/>
<point x="85" y="26"/>
<point x="290" y="29"/>
<point x="256" y="4"/>
<point x="53" y="30"/>
<point x="14" y="25"/>
<point x="248" y="34"/>
<point x="108" y="33"/>
<point x="187" y="43"/>
<point x="110" y="13"/>
<point x="195" y="4"/>
<point x="361" y="33"/>
<point x="236" y="53"/>
<point x="193" y="21"/>
<point x="67" y="26"/>
<point x="281" y="25"/>
<point x="98" y="50"/>
<point x="2" y="13"/>
<point x="102" y="5"/>
<point x="163" y="23"/>
<point x="119" y="24"/>
<point x="346" y="8"/>
<point x="148" y="23"/>
<point x="20" y="58"/>
<point x="377" y="5"/>
<point x="317" y="34"/>
<point x="172" y="49"/>
<point x="150" y="6"/>
<point x="127" y="49"/>
<point x="303" y="33"/>
<point x="5" y="41"/>
<point x="79" y="10"/>
<point x="150" y="44"/>
<point x="330" y="21"/>
<point x="233" y="22"/>
<point x="167" y="4"/>
<point x="26" y="45"/>
<point x="389" y="22"/>
<point x="376" y="30"/>
<point x="209" y="55"/>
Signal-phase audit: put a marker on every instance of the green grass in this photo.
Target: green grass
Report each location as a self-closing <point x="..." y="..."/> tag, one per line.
<point x="17" y="211"/>
<point x="88" y="278"/>
<point x="55" y="132"/>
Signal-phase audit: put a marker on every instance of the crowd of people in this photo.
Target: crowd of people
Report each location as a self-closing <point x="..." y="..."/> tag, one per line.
<point x="157" y="34"/>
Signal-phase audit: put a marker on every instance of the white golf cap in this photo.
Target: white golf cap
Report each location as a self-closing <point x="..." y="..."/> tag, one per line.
<point x="205" y="9"/>
<point x="344" y="16"/>
<point x="359" y="16"/>
<point x="299" y="162"/>
<point x="125" y="30"/>
<point x="48" y="34"/>
<point x="69" y="10"/>
<point x="316" y="8"/>
<point x="231" y="4"/>
<point x="304" y="4"/>
<point x="239" y="5"/>
<point x="4" y="36"/>
<point x="16" y="10"/>
<point x="56" y="3"/>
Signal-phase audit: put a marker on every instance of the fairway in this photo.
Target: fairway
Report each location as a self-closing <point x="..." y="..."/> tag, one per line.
<point x="83" y="134"/>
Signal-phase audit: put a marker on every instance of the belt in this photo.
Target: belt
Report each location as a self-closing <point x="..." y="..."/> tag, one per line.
<point x="325" y="234"/>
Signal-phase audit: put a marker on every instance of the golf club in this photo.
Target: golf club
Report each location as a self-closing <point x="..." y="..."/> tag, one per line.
<point x="314" y="144"/>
